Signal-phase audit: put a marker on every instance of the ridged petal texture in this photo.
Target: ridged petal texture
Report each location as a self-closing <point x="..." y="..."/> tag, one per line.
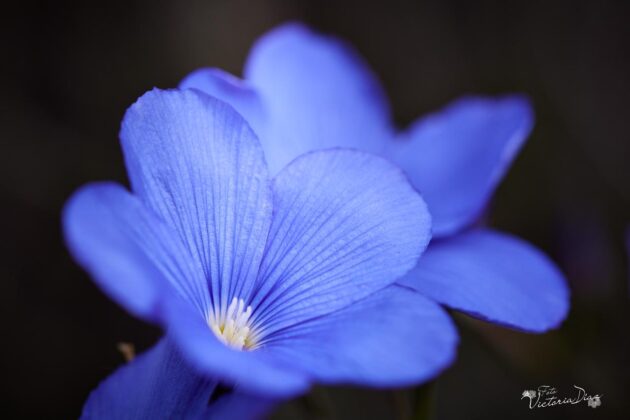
<point x="199" y="231"/>
<point x="345" y="224"/>
<point x="392" y="338"/>
<point x="305" y="91"/>
<point x="134" y="256"/>
<point x="198" y="165"/>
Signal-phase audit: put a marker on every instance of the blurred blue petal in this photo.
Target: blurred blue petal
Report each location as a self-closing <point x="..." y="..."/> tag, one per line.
<point x="457" y="156"/>
<point x="346" y="223"/>
<point x="392" y="338"/>
<point x="132" y="255"/>
<point x="341" y="230"/>
<point x="141" y="263"/>
<point x="317" y="93"/>
<point x="228" y="88"/>
<point x="252" y="371"/>
<point x="160" y="384"/>
<point x="495" y="277"/>
<point x="198" y="165"/>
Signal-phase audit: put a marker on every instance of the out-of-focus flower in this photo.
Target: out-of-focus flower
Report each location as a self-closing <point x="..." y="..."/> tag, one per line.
<point x="594" y="402"/>
<point x="303" y="91"/>
<point x="528" y="394"/>
<point x="264" y="284"/>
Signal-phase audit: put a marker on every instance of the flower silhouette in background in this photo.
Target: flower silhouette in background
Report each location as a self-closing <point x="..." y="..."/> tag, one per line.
<point x="594" y="402"/>
<point x="303" y="91"/>
<point x="263" y="284"/>
<point x="529" y="394"/>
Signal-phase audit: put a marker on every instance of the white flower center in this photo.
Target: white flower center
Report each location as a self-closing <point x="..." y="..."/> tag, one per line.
<point x="232" y="327"/>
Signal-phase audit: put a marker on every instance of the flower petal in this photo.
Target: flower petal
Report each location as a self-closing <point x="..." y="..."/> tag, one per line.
<point x="346" y="223"/>
<point x="495" y="277"/>
<point x="317" y="93"/>
<point x="196" y="162"/>
<point x="252" y="371"/>
<point x="141" y="263"/>
<point x="156" y="384"/>
<point x="457" y="156"/>
<point x="393" y="338"/>
<point x="230" y="89"/>
<point x="160" y="384"/>
<point x="131" y="254"/>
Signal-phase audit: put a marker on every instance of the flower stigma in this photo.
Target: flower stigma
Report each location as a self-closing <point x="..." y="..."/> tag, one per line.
<point x="232" y="327"/>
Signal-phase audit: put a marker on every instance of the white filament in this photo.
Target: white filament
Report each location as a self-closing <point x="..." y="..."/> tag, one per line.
<point x="232" y="327"/>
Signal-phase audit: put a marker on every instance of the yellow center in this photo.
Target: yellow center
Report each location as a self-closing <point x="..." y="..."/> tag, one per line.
<point x="232" y="327"/>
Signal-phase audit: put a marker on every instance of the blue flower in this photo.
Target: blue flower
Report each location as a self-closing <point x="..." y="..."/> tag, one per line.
<point x="303" y="91"/>
<point x="266" y="284"/>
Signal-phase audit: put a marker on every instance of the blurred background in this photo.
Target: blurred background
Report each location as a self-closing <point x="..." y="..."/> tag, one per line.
<point x="74" y="67"/>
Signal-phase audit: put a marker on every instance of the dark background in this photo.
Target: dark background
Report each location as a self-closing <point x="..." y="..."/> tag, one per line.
<point x="74" y="67"/>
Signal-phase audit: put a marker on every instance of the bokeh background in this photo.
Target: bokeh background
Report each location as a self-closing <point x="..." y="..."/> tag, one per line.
<point x="74" y="67"/>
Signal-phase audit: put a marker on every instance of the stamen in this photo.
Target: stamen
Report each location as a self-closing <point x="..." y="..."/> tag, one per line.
<point x="233" y="329"/>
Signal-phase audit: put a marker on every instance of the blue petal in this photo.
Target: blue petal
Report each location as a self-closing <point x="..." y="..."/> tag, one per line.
<point x="346" y="223"/>
<point x="251" y="371"/>
<point x="495" y="277"/>
<point x="457" y="156"/>
<point x="156" y="384"/>
<point x="317" y="93"/>
<point x="197" y="164"/>
<point x="393" y="338"/>
<point x="160" y="384"/>
<point x="141" y="263"/>
<point x="146" y="260"/>
<point x="228" y="88"/>
<point x="131" y="254"/>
